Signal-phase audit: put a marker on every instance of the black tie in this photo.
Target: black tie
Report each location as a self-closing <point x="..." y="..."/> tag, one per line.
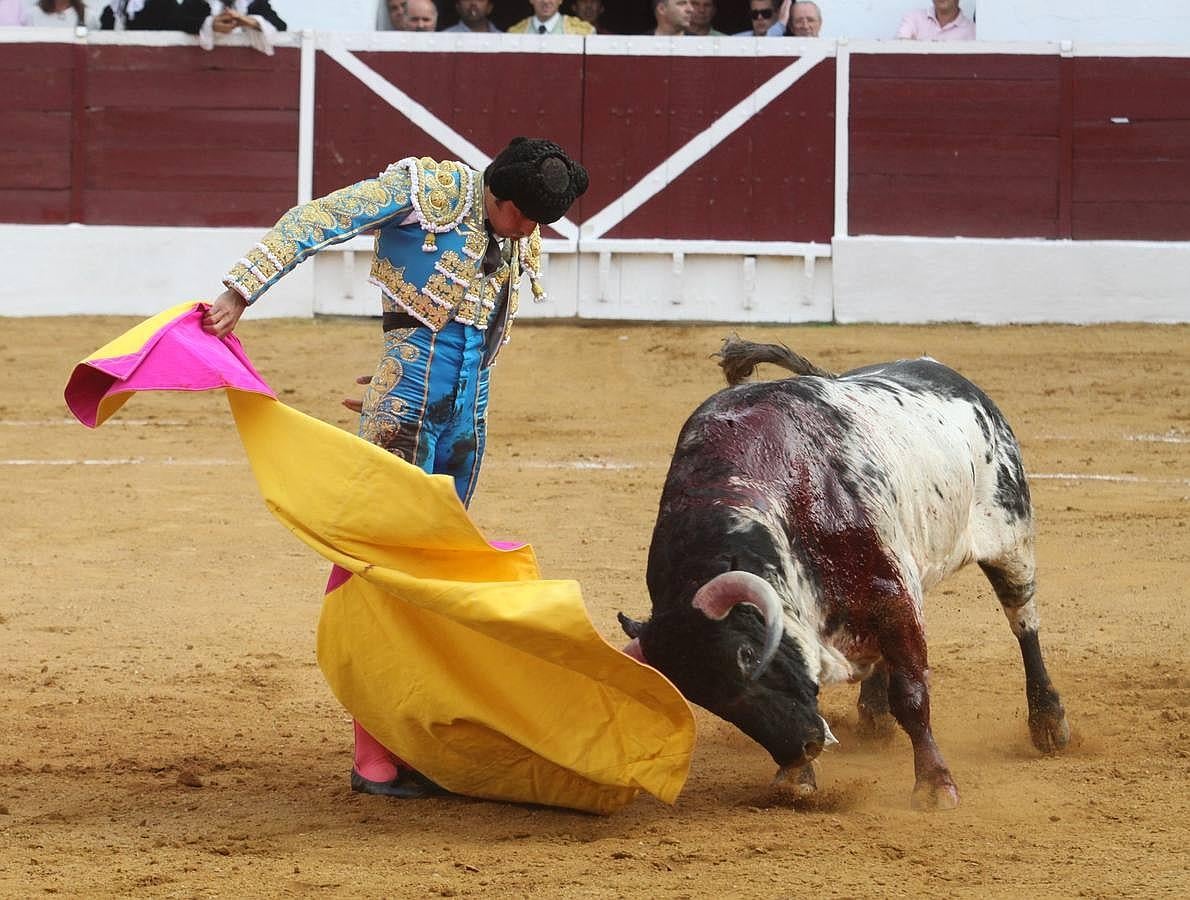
<point x="493" y="255"/>
<point x="541" y="29"/>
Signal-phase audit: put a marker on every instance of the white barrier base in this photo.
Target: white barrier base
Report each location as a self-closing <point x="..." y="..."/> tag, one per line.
<point x="99" y="270"/>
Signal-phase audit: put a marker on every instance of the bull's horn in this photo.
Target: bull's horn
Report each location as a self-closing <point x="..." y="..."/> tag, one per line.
<point x="631" y="626"/>
<point x="831" y="740"/>
<point x="719" y="596"/>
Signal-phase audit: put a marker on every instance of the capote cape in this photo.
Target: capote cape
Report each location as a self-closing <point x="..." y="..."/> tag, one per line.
<point x="486" y="677"/>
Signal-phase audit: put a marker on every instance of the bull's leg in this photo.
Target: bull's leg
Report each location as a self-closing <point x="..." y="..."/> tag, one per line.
<point x="904" y="649"/>
<point x="1014" y="586"/>
<point x="875" y="718"/>
<point x="909" y="697"/>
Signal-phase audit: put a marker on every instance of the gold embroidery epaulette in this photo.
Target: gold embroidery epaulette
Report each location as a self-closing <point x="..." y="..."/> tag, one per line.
<point x="531" y="263"/>
<point x="441" y="193"/>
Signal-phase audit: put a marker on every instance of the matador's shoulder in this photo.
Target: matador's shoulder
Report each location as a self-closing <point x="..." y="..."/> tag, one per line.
<point x="442" y="193"/>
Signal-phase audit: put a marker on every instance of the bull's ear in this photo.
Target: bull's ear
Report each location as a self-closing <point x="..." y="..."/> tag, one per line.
<point x="631" y="626"/>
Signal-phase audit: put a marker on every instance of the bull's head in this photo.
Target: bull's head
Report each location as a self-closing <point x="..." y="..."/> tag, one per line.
<point x="728" y="652"/>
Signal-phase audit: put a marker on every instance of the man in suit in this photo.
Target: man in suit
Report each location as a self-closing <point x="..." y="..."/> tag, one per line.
<point x="547" y="19"/>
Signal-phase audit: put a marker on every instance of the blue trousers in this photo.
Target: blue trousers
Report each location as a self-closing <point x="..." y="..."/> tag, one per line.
<point x="427" y="401"/>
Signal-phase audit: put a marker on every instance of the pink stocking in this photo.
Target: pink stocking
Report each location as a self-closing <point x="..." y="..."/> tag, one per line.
<point x="372" y="760"/>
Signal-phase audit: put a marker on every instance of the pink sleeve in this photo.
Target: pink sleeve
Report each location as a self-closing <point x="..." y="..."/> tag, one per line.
<point x="906" y="29"/>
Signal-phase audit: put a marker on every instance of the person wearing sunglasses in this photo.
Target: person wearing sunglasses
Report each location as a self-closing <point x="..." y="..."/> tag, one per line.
<point x="764" y="16"/>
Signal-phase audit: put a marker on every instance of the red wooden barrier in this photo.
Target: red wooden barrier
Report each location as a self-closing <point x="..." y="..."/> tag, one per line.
<point x="771" y="180"/>
<point x="981" y="145"/>
<point x="955" y="145"/>
<point x="35" y="132"/>
<point x="1132" y="149"/>
<point x="489" y="98"/>
<point x="178" y="136"/>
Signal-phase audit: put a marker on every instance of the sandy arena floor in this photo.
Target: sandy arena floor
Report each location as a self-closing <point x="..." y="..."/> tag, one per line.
<point x="167" y="733"/>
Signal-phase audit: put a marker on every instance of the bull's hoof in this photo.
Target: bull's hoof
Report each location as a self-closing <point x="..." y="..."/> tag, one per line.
<point x="799" y="783"/>
<point x="1050" y="730"/>
<point x="928" y="797"/>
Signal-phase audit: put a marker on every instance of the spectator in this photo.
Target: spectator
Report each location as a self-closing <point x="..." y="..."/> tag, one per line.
<point x="144" y="15"/>
<point x="702" y="13"/>
<point x="764" y="18"/>
<point x="256" y="18"/>
<point x="62" y="14"/>
<point x="590" y="11"/>
<point x="474" y="17"/>
<point x="13" y="12"/>
<point x="802" y="19"/>
<point x="391" y="15"/>
<point x="547" y="20"/>
<point x="945" y="22"/>
<point x="421" y="15"/>
<point x="673" y="17"/>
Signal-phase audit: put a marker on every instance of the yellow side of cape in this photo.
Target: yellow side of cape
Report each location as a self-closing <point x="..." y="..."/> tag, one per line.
<point x="490" y="680"/>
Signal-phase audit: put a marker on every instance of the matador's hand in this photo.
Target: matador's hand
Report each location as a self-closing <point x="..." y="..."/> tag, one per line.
<point x="357" y="406"/>
<point x="224" y="313"/>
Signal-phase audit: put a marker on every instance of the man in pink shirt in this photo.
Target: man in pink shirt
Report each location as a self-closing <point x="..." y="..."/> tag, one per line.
<point x="945" y="22"/>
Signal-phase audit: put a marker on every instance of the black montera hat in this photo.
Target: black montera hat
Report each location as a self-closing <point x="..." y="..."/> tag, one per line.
<point x="538" y="177"/>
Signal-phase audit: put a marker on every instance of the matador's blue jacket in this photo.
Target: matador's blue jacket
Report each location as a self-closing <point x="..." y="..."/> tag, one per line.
<point x="428" y="218"/>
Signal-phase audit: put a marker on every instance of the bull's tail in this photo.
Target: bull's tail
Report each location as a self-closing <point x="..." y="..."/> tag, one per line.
<point x="739" y="358"/>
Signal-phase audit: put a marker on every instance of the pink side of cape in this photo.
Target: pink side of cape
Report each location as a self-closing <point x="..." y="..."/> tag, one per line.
<point x="179" y="357"/>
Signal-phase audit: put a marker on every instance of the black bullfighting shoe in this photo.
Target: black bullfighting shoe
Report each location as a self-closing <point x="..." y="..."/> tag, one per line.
<point x="408" y="785"/>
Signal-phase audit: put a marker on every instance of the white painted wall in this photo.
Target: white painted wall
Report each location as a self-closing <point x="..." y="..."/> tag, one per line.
<point x="997" y="281"/>
<point x="1160" y="21"/>
<point x="58" y="270"/>
<point x="875" y="19"/>
<point x="328" y="15"/>
<point x="72" y="269"/>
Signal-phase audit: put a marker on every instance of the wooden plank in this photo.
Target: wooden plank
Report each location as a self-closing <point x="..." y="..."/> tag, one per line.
<point x="213" y="89"/>
<point x="1028" y="120"/>
<point x="78" y="135"/>
<point x="35" y="207"/>
<point x="34" y="131"/>
<point x="129" y="168"/>
<point x="983" y="107"/>
<point x="1132" y="140"/>
<point x="150" y="61"/>
<point x="36" y="60"/>
<point x="214" y="129"/>
<point x="972" y="67"/>
<point x="47" y="168"/>
<point x="1136" y="88"/>
<point x="1066" y="151"/>
<point x="211" y="209"/>
<point x="954" y="205"/>
<point x="1132" y="221"/>
<point x="962" y="155"/>
<point x="34" y="89"/>
<point x="1140" y="180"/>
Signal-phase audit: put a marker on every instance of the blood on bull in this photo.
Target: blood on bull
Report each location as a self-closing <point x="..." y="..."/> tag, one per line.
<point x="802" y="523"/>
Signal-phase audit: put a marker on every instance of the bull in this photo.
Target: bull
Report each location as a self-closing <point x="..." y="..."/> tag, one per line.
<point x="801" y="524"/>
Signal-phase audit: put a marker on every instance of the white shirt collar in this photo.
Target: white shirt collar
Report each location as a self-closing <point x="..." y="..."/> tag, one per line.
<point x="548" y="23"/>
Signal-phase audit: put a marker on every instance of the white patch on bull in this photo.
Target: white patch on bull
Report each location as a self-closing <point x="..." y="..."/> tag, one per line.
<point x="1023" y="618"/>
<point x="937" y="509"/>
<point x="803" y="609"/>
